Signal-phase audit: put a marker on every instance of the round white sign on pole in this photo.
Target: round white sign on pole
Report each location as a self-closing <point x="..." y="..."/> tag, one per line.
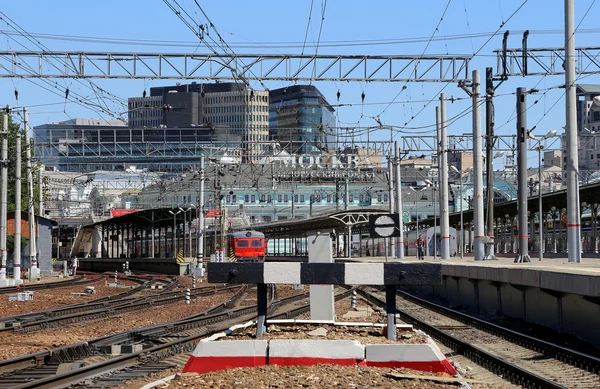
<point x="385" y="226"/>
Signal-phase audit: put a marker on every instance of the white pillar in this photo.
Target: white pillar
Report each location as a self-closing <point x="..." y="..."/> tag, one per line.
<point x="443" y="156"/>
<point x="478" y="231"/>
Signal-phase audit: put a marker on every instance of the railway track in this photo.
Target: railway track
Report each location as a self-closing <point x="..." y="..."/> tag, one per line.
<point x="162" y="348"/>
<point x="94" y="310"/>
<point x="518" y="358"/>
<point x="47" y="285"/>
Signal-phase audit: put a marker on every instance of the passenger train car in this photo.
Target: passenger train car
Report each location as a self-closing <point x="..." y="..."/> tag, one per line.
<point x="247" y="246"/>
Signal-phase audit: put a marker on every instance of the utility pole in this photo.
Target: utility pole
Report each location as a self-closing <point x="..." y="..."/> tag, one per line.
<point x="477" y="201"/>
<point x="200" y="229"/>
<point x="573" y="215"/>
<point x="443" y="158"/>
<point x="17" y="249"/>
<point x="392" y="242"/>
<point x="523" y="255"/>
<point x="3" y="198"/>
<point x="400" y="246"/>
<point x="489" y="148"/>
<point x="40" y="192"/>
<point x="34" y="270"/>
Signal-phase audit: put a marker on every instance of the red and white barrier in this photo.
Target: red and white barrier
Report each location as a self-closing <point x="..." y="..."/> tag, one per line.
<point x="294" y="352"/>
<point x="211" y="354"/>
<point x="425" y="357"/>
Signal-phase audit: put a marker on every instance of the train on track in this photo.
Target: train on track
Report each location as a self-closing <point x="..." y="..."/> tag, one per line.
<point x="247" y="246"/>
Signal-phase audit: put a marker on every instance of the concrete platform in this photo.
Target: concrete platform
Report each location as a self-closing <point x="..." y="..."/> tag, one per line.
<point x="555" y="293"/>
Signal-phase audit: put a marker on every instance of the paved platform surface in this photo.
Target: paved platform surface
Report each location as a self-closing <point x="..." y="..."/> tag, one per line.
<point x="588" y="266"/>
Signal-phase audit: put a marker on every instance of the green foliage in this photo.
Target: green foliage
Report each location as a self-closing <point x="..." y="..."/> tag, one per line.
<point x="10" y="243"/>
<point x="14" y="131"/>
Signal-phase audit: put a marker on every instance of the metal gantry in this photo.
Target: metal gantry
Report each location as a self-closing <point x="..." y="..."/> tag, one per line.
<point x="188" y="66"/>
<point x="545" y="61"/>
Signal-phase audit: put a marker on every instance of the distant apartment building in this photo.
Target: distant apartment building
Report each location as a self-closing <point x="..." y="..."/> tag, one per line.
<point x="301" y="120"/>
<point x="222" y="107"/>
<point x="588" y="129"/>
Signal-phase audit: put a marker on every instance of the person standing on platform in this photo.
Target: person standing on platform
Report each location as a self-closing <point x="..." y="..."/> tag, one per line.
<point x="420" y="244"/>
<point x="74" y="264"/>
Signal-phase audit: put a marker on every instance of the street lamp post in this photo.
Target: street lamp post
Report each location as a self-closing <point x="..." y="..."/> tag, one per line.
<point x="173" y="238"/>
<point x="539" y="147"/>
<point x="417" y="202"/>
<point x="460" y="180"/>
<point x="553" y="213"/>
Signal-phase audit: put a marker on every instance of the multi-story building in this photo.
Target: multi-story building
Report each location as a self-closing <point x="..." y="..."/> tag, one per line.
<point x="301" y="119"/>
<point x="222" y="107"/>
<point x="588" y="128"/>
<point x="87" y="145"/>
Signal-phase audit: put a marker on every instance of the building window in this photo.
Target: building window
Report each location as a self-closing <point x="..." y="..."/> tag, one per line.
<point x="246" y="198"/>
<point x="301" y="198"/>
<point x="262" y="198"/>
<point x="286" y="198"/>
<point x="296" y="197"/>
<point x="378" y="197"/>
<point x="234" y="198"/>
<point x="279" y="198"/>
<point x="361" y="198"/>
<point x="228" y="198"/>
<point x="351" y="198"/>
<point x="269" y="198"/>
<point x="385" y="198"/>
<point x="253" y="198"/>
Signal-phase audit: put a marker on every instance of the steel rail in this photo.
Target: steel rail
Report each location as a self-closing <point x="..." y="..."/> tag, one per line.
<point x="161" y="351"/>
<point x="509" y="371"/>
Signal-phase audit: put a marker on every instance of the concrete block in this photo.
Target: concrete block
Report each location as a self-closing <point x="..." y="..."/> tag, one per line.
<point x="411" y="356"/>
<point x="6" y="282"/>
<point x="312" y="352"/>
<point x="364" y="274"/>
<point x="322" y="302"/>
<point x="282" y="273"/>
<point x="211" y="356"/>
<point x="67" y="367"/>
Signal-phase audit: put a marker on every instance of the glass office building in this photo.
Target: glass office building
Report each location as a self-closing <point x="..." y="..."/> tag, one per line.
<point x="301" y="120"/>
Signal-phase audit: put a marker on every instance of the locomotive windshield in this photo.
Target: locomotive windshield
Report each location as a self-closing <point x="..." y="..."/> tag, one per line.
<point x="256" y="243"/>
<point x="242" y="243"/>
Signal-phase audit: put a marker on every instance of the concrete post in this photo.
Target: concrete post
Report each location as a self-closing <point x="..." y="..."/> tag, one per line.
<point x="353" y="301"/>
<point x="443" y="156"/>
<point x="187" y="296"/>
<point x="33" y="266"/>
<point x="390" y="304"/>
<point x="400" y="247"/>
<point x="261" y="296"/>
<point x="478" y="251"/>
<point x="523" y="255"/>
<point x="65" y="272"/>
<point x="18" y="183"/>
<point x="321" y="296"/>
<point x="573" y="216"/>
<point x="3" y="199"/>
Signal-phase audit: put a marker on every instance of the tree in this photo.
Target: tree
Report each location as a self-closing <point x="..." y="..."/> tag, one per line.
<point x="14" y="130"/>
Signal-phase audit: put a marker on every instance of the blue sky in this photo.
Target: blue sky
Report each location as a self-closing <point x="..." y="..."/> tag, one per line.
<point x="268" y="21"/>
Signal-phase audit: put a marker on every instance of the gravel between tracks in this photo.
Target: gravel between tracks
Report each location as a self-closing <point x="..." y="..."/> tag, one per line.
<point x="20" y="344"/>
<point x="311" y="377"/>
<point x="547" y="367"/>
<point x="54" y="298"/>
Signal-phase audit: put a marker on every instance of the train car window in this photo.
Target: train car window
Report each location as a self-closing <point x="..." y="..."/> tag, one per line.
<point x="256" y="243"/>
<point x="242" y="243"/>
